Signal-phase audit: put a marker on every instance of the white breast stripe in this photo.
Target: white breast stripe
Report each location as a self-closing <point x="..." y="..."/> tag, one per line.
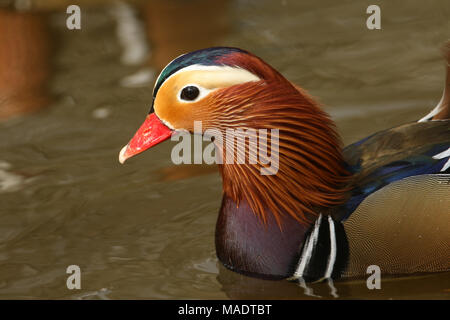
<point x="302" y="262"/>
<point x="307" y="251"/>
<point x="442" y="155"/>
<point x="332" y="257"/>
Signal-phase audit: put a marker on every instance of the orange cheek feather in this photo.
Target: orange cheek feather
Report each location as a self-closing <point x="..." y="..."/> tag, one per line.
<point x="180" y="115"/>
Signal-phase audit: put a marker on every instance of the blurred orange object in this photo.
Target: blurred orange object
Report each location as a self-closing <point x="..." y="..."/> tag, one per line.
<point x="24" y="62"/>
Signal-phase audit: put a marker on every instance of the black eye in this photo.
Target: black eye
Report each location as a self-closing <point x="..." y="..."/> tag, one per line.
<point x="189" y="93"/>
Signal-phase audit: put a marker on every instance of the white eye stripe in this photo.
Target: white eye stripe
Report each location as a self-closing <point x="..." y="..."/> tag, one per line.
<point x="203" y="93"/>
<point x="235" y="74"/>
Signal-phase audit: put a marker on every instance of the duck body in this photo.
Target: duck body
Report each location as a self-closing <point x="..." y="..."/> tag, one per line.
<point x="326" y="211"/>
<point x="403" y="155"/>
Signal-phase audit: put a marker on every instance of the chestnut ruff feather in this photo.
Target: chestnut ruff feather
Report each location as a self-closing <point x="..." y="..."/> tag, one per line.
<point x="311" y="172"/>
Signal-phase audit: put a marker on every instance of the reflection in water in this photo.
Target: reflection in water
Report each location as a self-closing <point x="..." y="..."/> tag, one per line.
<point x="130" y="34"/>
<point x="175" y="27"/>
<point x="172" y="27"/>
<point x="132" y="38"/>
<point x="237" y="286"/>
<point x="428" y="286"/>
<point x="24" y="62"/>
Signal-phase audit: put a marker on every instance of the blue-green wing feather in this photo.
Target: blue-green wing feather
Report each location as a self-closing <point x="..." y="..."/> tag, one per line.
<point x="394" y="154"/>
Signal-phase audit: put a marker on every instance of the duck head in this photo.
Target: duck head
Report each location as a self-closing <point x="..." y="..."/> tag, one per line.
<point x="231" y="88"/>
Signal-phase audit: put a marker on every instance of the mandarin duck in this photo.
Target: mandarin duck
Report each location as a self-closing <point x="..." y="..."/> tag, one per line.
<point x="327" y="212"/>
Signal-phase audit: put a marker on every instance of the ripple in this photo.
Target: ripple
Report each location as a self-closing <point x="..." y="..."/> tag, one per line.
<point x="9" y="181"/>
<point x="208" y="265"/>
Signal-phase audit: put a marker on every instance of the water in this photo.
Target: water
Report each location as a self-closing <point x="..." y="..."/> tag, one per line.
<point x="69" y="100"/>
